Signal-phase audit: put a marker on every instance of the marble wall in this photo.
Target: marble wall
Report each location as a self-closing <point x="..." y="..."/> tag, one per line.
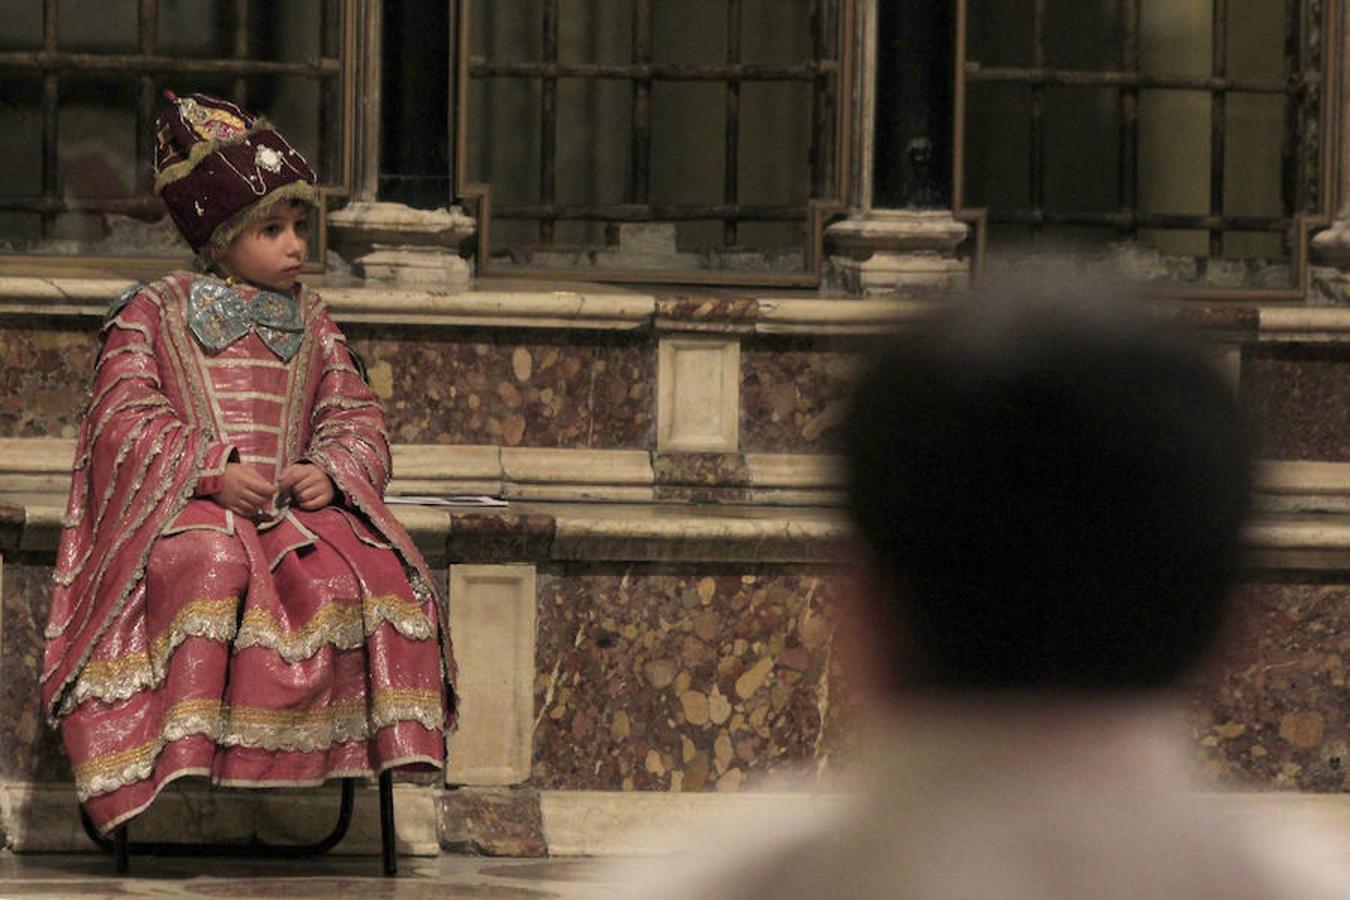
<point x="667" y="678"/>
<point x="465" y="386"/>
<point x="45" y="368"/>
<point x="29" y="750"/>
<point x="793" y="394"/>
<point x="510" y="388"/>
<point x="1300" y="396"/>
<point x="1275" y="711"/>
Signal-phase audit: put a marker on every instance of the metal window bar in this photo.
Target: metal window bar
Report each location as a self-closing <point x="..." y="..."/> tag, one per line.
<point x="239" y="49"/>
<point x="1218" y="121"/>
<point x="641" y="72"/>
<point x="124" y="63"/>
<point x="146" y="66"/>
<point x="1289" y="162"/>
<point x="822" y="73"/>
<point x="147" y="39"/>
<point x="330" y="95"/>
<point x="732" y="153"/>
<point x="825" y="33"/>
<point x="51" y="16"/>
<point x="643" y="69"/>
<point x="1301" y="88"/>
<point x="1127" y="178"/>
<point x="1036" y="162"/>
<point x="548" y="141"/>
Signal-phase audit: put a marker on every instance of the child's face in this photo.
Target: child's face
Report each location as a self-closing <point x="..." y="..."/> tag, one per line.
<point x="269" y="252"/>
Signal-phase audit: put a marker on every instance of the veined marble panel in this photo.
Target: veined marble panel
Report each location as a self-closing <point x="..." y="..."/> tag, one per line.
<point x="793" y="395"/>
<point x="1275" y="711"/>
<point x="512" y="389"/>
<point x="1299" y="395"/>
<point x="45" y="369"/>
<point x="660" y="678"/>
<point x="29" y="749"/>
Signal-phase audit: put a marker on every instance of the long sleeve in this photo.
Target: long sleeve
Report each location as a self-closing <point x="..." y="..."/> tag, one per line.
<point x="137" y="463"/>
<point x="349" y="439"/>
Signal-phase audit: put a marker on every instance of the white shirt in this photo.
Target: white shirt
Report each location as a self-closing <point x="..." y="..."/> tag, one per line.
<point x="1017" y="799"/>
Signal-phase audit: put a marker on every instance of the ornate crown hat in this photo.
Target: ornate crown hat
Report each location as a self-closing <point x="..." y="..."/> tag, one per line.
<point x="219" y="168"/>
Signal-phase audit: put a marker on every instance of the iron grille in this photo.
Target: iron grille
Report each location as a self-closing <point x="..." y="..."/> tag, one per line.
<point x="148" y="71"/>
<point x="824" y="72"/>
<point x="1301" y="85"/>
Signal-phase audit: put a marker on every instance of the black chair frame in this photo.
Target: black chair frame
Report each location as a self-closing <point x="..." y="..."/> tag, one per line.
<point x="122" y="847"/>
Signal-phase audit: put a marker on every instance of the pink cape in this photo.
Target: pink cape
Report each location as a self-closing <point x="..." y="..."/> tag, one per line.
<point x="182" y="640"/>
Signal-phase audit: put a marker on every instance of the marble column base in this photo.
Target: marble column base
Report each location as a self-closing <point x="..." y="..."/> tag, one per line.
<point x="897" y="252"/>
<point x="396" y="243"/>
<point x="1331" y="247"/>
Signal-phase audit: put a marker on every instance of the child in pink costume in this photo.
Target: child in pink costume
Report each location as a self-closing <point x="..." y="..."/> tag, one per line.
<point x="233" y="599"/>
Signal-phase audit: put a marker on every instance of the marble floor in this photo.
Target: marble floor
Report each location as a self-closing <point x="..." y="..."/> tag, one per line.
<point x="475" y="877"/>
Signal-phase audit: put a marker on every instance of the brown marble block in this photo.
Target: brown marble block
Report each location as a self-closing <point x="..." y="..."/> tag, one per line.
<point x="668" y="678"/>
<point x="1300" y="397"/>
<point x="493" y="821"/>
<point x="793" y="393"/>
<point x="1274" y="712"/>
<point x="45" y="367"/>
<point x="701" y="477"/>
<point x="514" y="388"/>
<point x="29" y="750"/>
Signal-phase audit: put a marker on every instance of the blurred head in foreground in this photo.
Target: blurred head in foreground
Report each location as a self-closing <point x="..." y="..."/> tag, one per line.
<point x="1049" y="496"/>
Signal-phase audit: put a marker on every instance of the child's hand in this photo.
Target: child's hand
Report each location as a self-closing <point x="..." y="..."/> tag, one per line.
<point x="243" y="491"/>
<point x="309" y="486"/>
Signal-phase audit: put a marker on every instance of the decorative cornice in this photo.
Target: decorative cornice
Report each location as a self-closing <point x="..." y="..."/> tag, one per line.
<point x="593" y="308"/>
<point x="586" y="308"/>
<point x="1305" y="324"/>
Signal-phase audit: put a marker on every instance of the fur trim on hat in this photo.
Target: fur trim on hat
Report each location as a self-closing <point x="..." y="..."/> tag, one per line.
<point x="203" y="149"/>
<point x="232" y="227"/>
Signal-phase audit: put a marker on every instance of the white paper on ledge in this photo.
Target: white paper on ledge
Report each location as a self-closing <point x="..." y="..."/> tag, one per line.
<point x="480" y="500"/>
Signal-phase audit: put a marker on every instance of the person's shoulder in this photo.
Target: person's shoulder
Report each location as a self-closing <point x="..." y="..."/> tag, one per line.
<point x="145" y="294"/>
<point x="311" y="300"/>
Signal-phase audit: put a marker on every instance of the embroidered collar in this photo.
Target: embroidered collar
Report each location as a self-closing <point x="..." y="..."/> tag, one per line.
<point x="220" y="314"/>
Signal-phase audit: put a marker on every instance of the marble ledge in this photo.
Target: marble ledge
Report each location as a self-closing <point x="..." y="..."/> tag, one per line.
<point x="645" y="823"/>
<point x="1304" y="324"/>
<point x="34" y="466"/>
<point x="572" y="532"/>
<point x="642" y="532"/>
<point x="595" y="307"/>
<point x="572" y="307"/>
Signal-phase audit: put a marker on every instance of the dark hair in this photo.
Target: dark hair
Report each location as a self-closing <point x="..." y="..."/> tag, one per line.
<point x="1055" y="493"/>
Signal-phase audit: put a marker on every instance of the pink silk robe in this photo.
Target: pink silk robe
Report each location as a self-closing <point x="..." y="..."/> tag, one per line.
<point x="185" y="640"/>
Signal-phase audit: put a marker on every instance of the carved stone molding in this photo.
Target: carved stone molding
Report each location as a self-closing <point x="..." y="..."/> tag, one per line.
<point x="393" y="242"/>
<point x="898" y="252"/>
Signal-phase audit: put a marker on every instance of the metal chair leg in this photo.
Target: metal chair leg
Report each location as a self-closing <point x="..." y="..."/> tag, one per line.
<point x="387" y="847"/>
<point x="121" y="847"/>
<point x="120" y="854"/>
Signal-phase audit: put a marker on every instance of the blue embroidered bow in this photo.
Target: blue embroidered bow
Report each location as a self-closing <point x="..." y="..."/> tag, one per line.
<point x="219" y="315"/>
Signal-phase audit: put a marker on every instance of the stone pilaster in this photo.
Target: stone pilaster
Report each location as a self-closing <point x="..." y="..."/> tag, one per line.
<point x="396" y="243"/>
<point x="1331" y="248"/>
<point x="880" y="251"/>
